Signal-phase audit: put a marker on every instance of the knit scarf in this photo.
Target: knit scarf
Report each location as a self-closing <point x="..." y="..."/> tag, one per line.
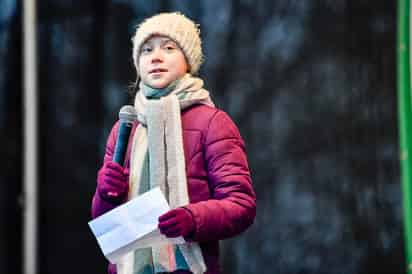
<point x="157" y="160"/>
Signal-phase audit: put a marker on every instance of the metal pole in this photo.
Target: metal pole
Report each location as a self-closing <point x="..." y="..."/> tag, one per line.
<point x="30" y="138"/>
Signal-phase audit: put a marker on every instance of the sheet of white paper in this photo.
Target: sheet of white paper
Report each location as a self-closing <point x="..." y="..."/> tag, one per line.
<point x="149" y="240"/>
<point x="132" y="225"/>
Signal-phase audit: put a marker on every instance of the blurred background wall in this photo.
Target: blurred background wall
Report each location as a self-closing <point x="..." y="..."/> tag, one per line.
<point x="311" y="85"/>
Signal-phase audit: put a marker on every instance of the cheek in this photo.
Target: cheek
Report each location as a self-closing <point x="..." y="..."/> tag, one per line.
<point x="181" y="63"/>
<point x="142" y="65"/>
<point x="183" y="67"/>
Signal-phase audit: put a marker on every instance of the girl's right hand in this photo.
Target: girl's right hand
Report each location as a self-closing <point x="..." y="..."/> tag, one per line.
<point x="113" y="182"/>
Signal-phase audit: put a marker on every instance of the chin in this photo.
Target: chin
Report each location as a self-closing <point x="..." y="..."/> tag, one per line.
<point x="158" y="85"/>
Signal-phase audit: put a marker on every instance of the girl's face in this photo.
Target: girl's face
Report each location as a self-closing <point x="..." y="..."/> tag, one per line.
<point x="161" y="61"/>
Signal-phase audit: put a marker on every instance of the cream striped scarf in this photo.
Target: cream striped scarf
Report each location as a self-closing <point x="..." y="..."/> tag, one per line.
<point x="157" y="159"/>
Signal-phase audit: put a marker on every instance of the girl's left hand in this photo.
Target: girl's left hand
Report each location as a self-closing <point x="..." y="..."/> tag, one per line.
<point x="177" y="222"/>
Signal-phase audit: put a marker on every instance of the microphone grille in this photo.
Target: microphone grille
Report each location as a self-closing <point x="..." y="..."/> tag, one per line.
<point x="128" y="114"/>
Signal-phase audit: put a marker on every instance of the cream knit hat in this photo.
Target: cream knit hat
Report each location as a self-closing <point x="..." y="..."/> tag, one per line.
<point x="176" y="26"/>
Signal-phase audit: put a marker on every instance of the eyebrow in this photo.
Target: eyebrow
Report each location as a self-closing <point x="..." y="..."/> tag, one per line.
<point x="164" y="41"/>
<point x="169" y="41"/>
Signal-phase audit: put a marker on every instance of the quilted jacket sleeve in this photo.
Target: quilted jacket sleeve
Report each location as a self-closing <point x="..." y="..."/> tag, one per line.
<point x="232" y="207"/>
<point x="100" y="206"/>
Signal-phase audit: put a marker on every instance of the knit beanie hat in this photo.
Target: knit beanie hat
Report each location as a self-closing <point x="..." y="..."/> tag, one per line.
<point x="175" y="26"/>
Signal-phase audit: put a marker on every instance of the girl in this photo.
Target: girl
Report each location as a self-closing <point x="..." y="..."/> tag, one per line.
<point x="185" y="145"/>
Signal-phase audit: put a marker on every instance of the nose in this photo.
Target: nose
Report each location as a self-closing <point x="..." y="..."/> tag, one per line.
<point x="157" y="55"/>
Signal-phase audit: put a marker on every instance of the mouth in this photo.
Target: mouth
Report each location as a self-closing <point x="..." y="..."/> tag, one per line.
<point x="157" y="70"/>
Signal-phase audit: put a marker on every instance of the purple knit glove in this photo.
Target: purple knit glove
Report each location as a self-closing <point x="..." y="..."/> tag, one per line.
<point x="113" y="182"/>
<point x="177" y="222"/>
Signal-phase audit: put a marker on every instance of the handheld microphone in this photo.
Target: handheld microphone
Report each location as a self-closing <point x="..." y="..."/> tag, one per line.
<point x="127" y="115"/>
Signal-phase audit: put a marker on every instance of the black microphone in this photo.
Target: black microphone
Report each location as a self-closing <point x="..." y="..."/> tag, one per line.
<point x="127" y="115"/>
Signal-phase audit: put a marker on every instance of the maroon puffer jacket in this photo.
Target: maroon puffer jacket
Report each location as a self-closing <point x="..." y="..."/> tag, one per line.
<point x="222" y="199"/>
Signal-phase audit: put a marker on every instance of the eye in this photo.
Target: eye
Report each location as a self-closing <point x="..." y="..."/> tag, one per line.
<point x="170" y="47"/>
<point x="145" y="49"/>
